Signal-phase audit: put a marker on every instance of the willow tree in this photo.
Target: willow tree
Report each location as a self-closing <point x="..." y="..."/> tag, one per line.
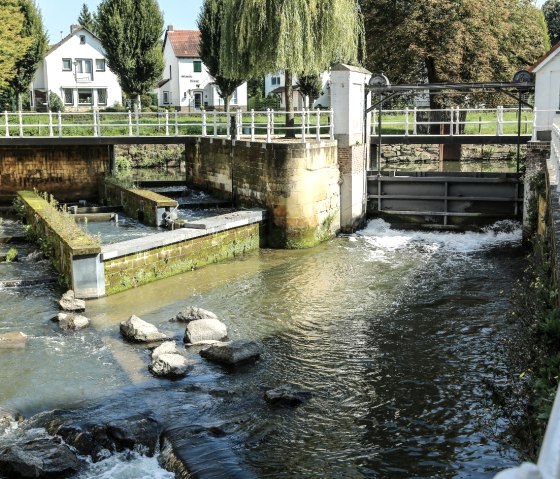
<point x="302" y="36"/>
<point x="33" y="31"/>
<point x="13" y="45"/>
<point x="130" y="32"/>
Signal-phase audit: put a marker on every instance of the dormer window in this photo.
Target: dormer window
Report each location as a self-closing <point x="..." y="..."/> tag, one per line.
<point x="197" y="66"/>
<point x="82" y="39"/>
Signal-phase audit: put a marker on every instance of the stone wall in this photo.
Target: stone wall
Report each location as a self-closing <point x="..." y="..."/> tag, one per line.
<point x="140" y="268"/>
<point x="297" y="183"/>
<point x="68" y="172"/>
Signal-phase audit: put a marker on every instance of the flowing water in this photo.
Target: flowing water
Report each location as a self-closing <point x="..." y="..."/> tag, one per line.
<point x="395" y="333"/>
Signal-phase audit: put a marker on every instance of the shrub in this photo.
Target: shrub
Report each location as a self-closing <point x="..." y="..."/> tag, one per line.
<point x="12" y="255"/>
<point x="55" y="103"/>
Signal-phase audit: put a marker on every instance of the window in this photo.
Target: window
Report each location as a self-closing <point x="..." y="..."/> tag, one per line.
<point x="82" y="39"/>
<point x="102" y="96"/>
<point x="66" y="64"/>
<point x="84" y="69"/>
<point x="68" y="95"/>
<point x="234" y="97"/>
<point x="85" y="96"/>
<point x="197" y="64"/>
<point x="166" y="98"/>
<point x="100" y="65"/>
<point x="276" y="81"/>
<point x="170" y="72"/>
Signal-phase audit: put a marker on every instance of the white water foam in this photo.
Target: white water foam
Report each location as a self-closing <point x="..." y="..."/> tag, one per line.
<point x="126" y="465"/>
<point x="379" y="234"/>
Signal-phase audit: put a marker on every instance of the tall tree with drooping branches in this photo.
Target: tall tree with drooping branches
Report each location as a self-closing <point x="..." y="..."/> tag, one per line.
<point x="296" y="36"/>
<point x="13" y="45"/>
<point x="130" y="32"/>
<point x="33" y="30"/>
<point x="551" y="10"/>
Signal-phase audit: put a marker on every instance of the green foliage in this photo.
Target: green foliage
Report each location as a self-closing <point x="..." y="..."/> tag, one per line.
<point x="310" y="86"/>
<point x="18" y="208"/>
<point x="11" y="255"/>
<point x="33" y="30"/>
<point x="87" y="19"/>
<point x="14" y="43"/>
<point x="130" y="32"/>
<point x="551" y="11"/>
<point x="55" y="102"/>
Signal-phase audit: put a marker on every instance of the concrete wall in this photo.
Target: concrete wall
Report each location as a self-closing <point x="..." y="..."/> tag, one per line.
<point x="145" y="266"/>
<point x="537" y="154"/>
<point x="297" y="183"/>
<point x="69" y="172"/>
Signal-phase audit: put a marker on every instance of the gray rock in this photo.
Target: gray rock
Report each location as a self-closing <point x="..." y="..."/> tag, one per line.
<point x="234" y="353"/>
<point x="71" y="321"/>
<point x="170" y="366"/>
<point x="37" y="454"/>
<point x="7" y="417"/>
<point x="205" y="331"/>
<point x="192" y="313"/>
<point x="169" y="347"/>
<point x="35" y="256"/>
<point x="287" y="395"/>
<point x="137" y="330"/>
<point x="69" y="303"/>
<point x="13" y="340"/>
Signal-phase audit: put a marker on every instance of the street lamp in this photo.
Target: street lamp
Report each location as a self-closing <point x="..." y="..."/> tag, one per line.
<point x="76" y="81"/>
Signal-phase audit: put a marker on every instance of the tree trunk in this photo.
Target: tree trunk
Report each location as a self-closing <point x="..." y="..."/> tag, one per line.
<point x="289" y="92"/>
<point x="435" y="116"/>
<point x="230" y="122"/>
<point x="19" y="101"/>
<point x="138" y="104"/>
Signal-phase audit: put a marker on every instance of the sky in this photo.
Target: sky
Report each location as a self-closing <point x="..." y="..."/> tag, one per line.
<point x="58" y="15"/>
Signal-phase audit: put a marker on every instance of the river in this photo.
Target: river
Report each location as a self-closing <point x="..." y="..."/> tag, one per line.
<point x="394" y="332"/>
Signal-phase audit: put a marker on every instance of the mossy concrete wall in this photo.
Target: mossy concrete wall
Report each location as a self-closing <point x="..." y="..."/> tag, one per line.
<point x="298" y="184"/>
<point x="70" y="172"/>
<point x="75" y="256"/>
<point x="129" y="271"/>
<point x="144" y="205"/>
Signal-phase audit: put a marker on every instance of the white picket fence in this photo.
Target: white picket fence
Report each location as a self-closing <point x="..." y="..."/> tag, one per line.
<point x="309" y="124"/>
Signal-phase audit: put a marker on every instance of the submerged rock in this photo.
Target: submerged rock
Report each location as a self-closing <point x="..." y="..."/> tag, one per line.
<point x="233" y="353"/>
<point x="138" y="330"/>
<point x="13" y="340"/>
<point x="205" y="331"/>
<point x="287" y="395"/>
<point x="71" y="321"/>
<point x="37" y="454"/>
<point x="170" y="366"/>
<point x="35" y="256"/>
<point x="192" y="313"/>
<point x="68" y="302"/>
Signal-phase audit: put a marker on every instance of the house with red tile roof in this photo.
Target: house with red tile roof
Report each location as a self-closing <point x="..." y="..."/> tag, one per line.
<point x="186" y="84"/>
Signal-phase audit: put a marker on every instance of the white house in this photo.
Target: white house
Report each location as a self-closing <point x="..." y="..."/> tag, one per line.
<point x="186" y="84"/>
<point x="76" y="70"/>
<point x="547" y="90"/>
<point x="274" y="83"/>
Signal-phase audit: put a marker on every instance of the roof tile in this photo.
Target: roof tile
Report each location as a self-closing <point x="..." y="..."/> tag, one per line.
<point x="184" y="42"/>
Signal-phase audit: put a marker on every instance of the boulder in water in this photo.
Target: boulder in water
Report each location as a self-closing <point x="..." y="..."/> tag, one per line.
<point x="13" y="340"/>
<point x="169" y="347"/>
<point x="233" y="353"/>
<point x="205" y="331"/>
<point x="68" y="302"/>
<point x="7" y="417"/>
<point x="287" y="395"/>
<point x="71" y="321"/>
<point x="170" y="366"/>
<point x="192" y="313"/>
<point x="35" y="256"/>
<point x="37" y="454"/>
<point x="139" y="331"/>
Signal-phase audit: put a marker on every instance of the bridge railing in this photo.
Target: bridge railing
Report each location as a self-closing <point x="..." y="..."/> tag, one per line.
<point x="255" y="125"/>
<point x="457" y="121"/>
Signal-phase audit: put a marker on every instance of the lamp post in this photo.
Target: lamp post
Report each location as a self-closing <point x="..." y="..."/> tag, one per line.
<point x="76" y="82"/>
<point x="379" y="80"/>
<point x="522" y="76"/>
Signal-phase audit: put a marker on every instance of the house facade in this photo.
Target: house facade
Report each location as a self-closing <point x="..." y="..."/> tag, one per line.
<point x="76" y="70"/>
<point x="274" y="83"/>
<point x="547" y="90"/>
<point x="186" y="84"/>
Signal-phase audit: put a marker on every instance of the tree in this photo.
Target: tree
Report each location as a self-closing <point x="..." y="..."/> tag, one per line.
<point x="13" y="45"/>
<point x="86" y="19"/>
<point x="34" y="31"/>
<point x="304" y="36"/>
<point x="551" y="11"/>
<point x="210" y="26"/>
<point x="130" y="32"/>
<point x="310" y="86"/>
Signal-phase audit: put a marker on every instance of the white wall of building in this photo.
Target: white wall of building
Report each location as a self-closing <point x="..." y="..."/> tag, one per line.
<point x="547" y="91"/>
<point x="77" y="71"/>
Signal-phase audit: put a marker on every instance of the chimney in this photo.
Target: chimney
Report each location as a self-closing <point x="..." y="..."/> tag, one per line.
<point x="74" y="27"/>
<point x="169" y="28"/>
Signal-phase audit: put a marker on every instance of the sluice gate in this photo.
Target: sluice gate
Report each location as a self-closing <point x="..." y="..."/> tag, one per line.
<point x="445" y="199"/>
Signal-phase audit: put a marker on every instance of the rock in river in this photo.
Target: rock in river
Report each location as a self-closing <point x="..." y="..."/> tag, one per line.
<point x="192" y="313"/>
<point x="68" y="302"/>
<point x="205" y="331"/>
<point x="170" y="366"/>
<point x="71" y="321"/>
<point x="13" y="340"/>
<point x="233" y="353"/>
<point x="137" y="330"/>
<point x="287" y="395"/>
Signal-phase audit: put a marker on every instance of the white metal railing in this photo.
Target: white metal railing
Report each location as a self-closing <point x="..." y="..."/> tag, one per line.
<point x="458" y="121"/>
<point x="308" y="124"/>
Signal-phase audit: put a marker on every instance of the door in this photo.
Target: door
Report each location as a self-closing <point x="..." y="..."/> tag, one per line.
<point x="197" y="100"/>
